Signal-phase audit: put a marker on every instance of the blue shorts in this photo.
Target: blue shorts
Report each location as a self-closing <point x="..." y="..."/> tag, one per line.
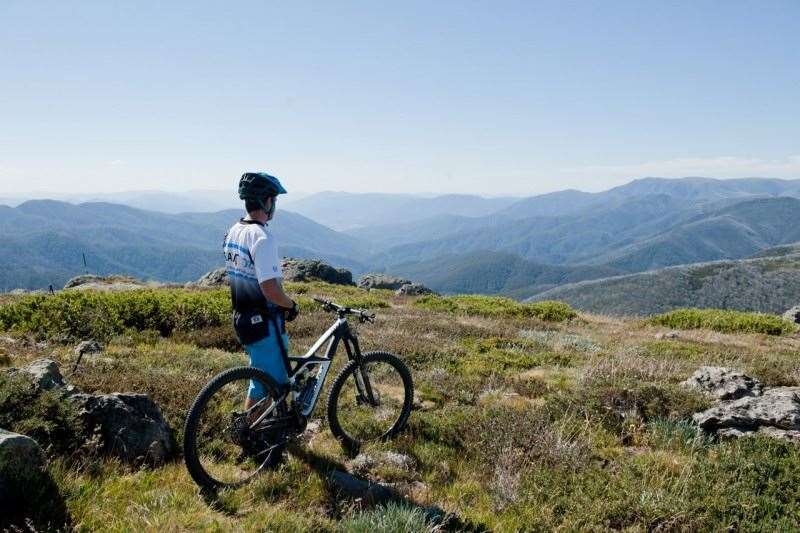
<point x="266" y="355"/>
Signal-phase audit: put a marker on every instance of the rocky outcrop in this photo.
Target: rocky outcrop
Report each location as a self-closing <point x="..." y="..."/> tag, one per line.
<point x="414" y="289"/>
<point x="22" y="467"/>
<point x="314" y="270"/>
<point x="793" y="314"/>
<point x="107" y="283"/>
<point x="129" y="426"/>
<point x="775" y="413"/>
<point x="216" y="278"/>
<point x="381" y="281"/>
<point x="723" y="383"/>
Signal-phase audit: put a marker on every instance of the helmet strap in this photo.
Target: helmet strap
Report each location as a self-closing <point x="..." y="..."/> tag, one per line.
<point x="271" y="210"/>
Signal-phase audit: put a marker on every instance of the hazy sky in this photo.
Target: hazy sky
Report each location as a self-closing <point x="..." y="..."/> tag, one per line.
<point x="486" y="97"/>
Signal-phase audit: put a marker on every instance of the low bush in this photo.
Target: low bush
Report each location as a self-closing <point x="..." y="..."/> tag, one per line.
<point x="73" y="315"/>
<point x="496" y="306"/>
<point x="724" y="321"/>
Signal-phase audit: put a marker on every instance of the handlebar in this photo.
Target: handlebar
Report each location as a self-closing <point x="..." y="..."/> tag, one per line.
<point x="331" y="307"/>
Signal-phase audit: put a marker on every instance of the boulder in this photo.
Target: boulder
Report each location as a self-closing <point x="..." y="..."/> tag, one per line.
<point x="793" y="314"/>
<point x="413" y="289"/>
<point x="88" y="347"/>
<point x="381" y="281"/>
<point x="723" y="383"/>
<point x="314" y="270"/>
<point x="129" y="426"/>
<point x="773" y="413"/>
<point x="44" y="373"/>
<point x="22" y="467"/>
<point x="216" y="278"/>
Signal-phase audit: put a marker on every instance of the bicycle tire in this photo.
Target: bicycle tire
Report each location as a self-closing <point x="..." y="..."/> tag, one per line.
<point x="349" y="442"/>
<point x="190" y="455"/>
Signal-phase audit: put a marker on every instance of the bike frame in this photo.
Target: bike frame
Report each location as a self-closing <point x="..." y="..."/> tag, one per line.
<point x="298" y="367"/>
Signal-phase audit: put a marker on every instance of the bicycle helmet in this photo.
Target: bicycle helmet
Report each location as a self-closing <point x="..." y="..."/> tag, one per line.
<point x="255" y="185"/>
<point x="258" y="186"/>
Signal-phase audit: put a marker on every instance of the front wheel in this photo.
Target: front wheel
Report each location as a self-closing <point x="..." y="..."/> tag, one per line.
<point x="370" y="401"/>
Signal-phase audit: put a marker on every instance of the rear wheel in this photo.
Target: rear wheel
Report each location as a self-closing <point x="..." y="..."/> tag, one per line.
<point x="370" y="401"/>
<point x="222" y="445"/>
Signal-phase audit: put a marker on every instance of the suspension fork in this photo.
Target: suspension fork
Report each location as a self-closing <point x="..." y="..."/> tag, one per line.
<point x="361" y="375"/>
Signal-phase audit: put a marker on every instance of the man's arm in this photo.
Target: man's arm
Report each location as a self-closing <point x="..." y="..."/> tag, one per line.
<point x="273" y="292"/>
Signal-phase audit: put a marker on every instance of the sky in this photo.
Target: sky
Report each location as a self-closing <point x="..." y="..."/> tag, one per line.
<point x="493" y="98"/>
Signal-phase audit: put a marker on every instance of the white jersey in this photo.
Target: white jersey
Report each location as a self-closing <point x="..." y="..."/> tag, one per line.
<point x="251" y="257"/>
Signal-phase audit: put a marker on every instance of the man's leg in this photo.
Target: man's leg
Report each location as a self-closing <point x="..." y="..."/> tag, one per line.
<point x="266" y="355"/>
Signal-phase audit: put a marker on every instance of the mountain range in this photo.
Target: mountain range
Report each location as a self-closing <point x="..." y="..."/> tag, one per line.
<point x="521" y="247"/>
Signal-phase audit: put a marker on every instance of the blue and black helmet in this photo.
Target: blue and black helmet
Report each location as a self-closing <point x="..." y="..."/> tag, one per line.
<point x="259" y="185"/>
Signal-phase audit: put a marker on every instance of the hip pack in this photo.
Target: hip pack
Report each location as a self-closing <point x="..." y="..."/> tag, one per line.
<point x="253" y="325"/>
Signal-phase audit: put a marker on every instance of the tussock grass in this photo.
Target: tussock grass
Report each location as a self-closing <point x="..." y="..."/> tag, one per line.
<point x="724" y="321"/>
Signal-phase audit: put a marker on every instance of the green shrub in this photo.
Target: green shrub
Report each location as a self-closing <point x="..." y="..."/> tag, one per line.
<point x="72" y="315"/>
<point x="725" y="321"/>
<point x="496" y="306"/>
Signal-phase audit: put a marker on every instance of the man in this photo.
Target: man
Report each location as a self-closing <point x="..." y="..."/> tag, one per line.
<point x="260" y="304"/>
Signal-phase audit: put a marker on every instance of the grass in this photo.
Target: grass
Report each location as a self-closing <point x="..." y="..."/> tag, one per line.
<point x="724" y="321"/>
<point x="497" y="307"/>
<point x="523" y="422"/>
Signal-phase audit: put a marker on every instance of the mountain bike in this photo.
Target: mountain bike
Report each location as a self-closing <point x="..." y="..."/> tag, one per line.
<point x="370" y="400"/>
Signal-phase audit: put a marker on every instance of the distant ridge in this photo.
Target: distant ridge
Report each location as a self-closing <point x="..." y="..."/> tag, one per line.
<point x="767" y="284"/>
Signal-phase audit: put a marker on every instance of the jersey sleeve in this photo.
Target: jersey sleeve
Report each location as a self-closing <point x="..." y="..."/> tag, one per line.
<point x="265" y="259"/>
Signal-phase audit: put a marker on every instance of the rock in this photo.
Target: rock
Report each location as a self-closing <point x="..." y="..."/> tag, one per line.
<point x="130" y="426"/>
<point x="311" y="270"/>
<point x="381" y="281"/>
<point x="43" y="372"/>
<point x="414" y="289"/>
<point x="22" y="467"/>
<point x="771" y="413"/>
<point x="216" y="278"/>
<point x="367" y="492"/>
<point x="667" y="335"/>
<point x="723" y="383"/>
<point x="793" y="314"/>
<point x="91" y="346"/>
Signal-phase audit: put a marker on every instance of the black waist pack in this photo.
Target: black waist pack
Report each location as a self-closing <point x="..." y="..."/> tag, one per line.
<point x="253" y="325"/>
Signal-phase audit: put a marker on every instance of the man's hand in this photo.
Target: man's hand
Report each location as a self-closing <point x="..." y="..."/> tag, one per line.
<point x="292" y="312"/>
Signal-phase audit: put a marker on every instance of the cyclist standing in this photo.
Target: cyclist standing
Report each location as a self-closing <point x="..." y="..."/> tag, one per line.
<point x="260" y="305"/>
